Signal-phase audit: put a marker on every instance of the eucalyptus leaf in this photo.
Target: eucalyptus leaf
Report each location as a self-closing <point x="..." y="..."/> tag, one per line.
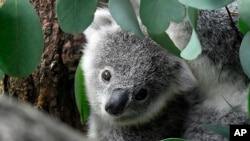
<point x="21" y="38"/>
<point x="193" y="48"/>
<point x="245" y="54"/>
<point x="206" y="4"/>
<point x="157" y="14"/>
<point x="243" y="6"/>
<point x="1" y="74"/>
<point x="219" y="129"/>
<point x="80" y="95"/>
<point x="164" y="40"/>
<point x="124" y="14"/>
<point x="75" y="16"/>
<point x="243" y="27"/>
<point x="193" y="17"/>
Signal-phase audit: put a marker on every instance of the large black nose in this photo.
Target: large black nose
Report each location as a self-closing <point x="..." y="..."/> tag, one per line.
<point x="117" y="102"/>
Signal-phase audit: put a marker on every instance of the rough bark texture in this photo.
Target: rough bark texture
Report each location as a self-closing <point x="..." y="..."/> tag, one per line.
<point x="51" y="86"/>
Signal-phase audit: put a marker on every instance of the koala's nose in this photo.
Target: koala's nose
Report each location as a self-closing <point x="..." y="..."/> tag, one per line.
<point x="117" y="102"/>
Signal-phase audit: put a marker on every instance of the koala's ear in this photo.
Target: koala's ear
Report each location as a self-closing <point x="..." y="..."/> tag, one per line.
<point x="102" y="20"/>
<point x="186" y="81"/>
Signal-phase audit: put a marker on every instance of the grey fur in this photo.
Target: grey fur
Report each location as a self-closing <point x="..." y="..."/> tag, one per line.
<point x="21" y="122"/>
<point x="194" y="97"/>
<point x="201" y="116"/>
<point x="134" y="64"/>
<point x="219" y="38"/>
<point x="220" y="77"/>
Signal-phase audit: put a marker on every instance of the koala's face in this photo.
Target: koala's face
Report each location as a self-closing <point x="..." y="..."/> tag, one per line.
<point x="128" y="80"/>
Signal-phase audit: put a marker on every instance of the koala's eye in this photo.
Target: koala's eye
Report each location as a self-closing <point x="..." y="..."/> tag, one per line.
<point x="141" y="95"/>
<point x="106" y="75"/>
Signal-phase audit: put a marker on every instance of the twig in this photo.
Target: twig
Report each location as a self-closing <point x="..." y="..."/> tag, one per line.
<point x="233" y="23"/>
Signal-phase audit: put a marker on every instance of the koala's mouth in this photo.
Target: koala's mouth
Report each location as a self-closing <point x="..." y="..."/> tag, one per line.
<point x="124" y="120"/>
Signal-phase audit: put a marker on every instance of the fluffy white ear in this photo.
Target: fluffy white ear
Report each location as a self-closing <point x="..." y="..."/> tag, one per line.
<point x="180" y="33"/>
<point x="102" y="20"/>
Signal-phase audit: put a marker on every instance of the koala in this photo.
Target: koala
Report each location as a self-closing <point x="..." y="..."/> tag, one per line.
<point x="221" y="94"/>
<point x="139" y="91"/>
<point x="135" y="88"/>
<point x="21" y="122"/>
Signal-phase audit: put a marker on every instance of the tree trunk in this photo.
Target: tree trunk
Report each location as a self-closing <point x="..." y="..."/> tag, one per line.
<point x="51" y="86"/>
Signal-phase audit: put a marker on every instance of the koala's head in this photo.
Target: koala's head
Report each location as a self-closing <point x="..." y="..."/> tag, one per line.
<point x="129" y="80"/>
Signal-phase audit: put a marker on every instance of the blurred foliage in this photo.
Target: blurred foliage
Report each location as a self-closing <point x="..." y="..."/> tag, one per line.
<point x="21" y="38"/>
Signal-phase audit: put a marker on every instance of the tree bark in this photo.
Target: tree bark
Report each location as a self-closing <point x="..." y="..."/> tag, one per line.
<point x="51" y="86"/>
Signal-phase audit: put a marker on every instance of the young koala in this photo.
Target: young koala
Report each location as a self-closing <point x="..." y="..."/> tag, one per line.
<point x="21" y="122"/>
<point x="135" y="87"/>
<point x="222" y="86"/>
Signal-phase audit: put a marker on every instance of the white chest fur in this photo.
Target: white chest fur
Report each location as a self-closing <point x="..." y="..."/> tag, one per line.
<point x="219" y="89"/>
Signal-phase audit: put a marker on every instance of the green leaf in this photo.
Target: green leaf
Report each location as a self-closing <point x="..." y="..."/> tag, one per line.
<point x="75" y="16"/>
<point x="164" y="40"/>
<point x="21" y="38"/>
<point x="193" y="48"/>
<point x="206" y="4"/>
<point x="1" y="74"/>
<point x="243" y="27"/>
<point x="124" y="14"/>
<point x="193" y="17"/>
<point x="157" y="14"/>
<point x="80" y="95"/>
<point x="245" y="54"/>
<point x="243" y="6"/>
<point x="219" y="129"/>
